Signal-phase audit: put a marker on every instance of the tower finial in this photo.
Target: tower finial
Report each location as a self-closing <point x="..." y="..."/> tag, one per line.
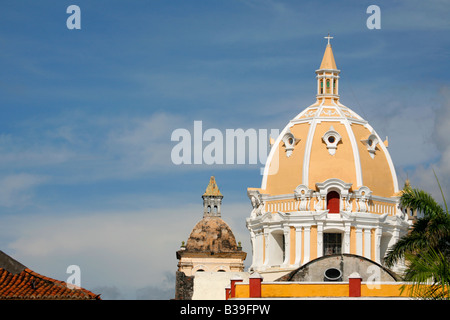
<point x="328" y="37"/>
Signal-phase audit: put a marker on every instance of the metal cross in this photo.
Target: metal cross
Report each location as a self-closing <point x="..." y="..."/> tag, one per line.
<point x="328" y="38"/>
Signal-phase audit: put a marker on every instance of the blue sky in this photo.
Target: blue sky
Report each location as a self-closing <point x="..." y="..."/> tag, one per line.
<point x="86" y="116"/>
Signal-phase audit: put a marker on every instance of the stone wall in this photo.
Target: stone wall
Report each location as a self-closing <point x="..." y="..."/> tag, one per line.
<point x="184" y="286"/>
<point x="347" y="263"/>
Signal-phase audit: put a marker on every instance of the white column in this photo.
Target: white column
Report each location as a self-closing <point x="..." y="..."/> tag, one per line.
<point x="319" y="239"/>
<point x="337" y="85"/>
<point x="367" y="243"/>
<point x="378" y="233"/>
<point x="287" y="246"/>
<point x="346" y="247"/>
<point x="254" y="248"/>
<point x="298" y="245"/>
<point x="266" y="247"/>
<point x="318" y="84"/>
<point x="259" y="248"/>
<point x="332" y="83"/>
<point x="307" y="239"/>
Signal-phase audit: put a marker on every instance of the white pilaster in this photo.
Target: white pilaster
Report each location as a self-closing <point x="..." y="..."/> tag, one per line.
<point x="346" y="244"/>
<point x="378" y="233"/>
<point x="287" y="246"/>
<point x="319" y="239"/>
<point x="266" y="248"/>
<point x="298" y="245"/>
<point x="367" y="243"/>
<point x="307" y="245"/>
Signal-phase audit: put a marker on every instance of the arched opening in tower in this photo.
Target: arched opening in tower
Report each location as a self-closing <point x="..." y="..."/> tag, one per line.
<point x="333" y="200"/>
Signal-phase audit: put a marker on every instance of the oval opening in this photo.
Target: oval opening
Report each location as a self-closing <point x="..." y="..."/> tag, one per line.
<point x="333" y="274"/>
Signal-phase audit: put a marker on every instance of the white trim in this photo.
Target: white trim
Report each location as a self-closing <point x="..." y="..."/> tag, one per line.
<point x="356" y="158"/>
<point x="388" y="158"/>
<point x="367" y="243"/>
<point x="271" y="154"/>
<point x="307" y="157"/>
<point x="307" y="244"/>
<point x="298" y="244"/>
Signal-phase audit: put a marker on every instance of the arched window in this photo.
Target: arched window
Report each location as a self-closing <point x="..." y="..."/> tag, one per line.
<point x="333" y="200"/>
<point x="321" y="86"/>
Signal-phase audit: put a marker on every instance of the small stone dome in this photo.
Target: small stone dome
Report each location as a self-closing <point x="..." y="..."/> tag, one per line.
<point x="211" y="234"/>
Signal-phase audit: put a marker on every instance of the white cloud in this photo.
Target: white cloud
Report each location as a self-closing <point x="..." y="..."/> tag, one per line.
<point x="16" y="190"/>
<point x="422" y="175"/>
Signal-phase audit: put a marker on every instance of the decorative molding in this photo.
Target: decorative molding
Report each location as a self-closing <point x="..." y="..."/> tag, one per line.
<point x="363" y="195"/>
<point x="289" y="142"/>
<point x="331" y="139"/>
<point x="257" y="202"/>
<point x="304" y="194"/>
<point x="371" y="144"/>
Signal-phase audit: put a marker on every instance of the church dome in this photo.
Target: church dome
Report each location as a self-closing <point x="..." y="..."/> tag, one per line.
<point x="211" y="247"/>
<point x="329" y="140"/>
<point x="211" y="234"/>
<point x="329" y="186"/>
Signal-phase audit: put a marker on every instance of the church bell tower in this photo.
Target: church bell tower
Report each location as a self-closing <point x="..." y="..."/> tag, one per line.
<point x="212" y="199"/>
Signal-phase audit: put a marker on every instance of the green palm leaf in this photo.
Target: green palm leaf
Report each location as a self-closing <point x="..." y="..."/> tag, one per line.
<point x="426" y="248"/>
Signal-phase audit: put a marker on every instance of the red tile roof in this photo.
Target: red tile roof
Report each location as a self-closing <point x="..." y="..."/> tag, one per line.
<point x="18" y="282"/>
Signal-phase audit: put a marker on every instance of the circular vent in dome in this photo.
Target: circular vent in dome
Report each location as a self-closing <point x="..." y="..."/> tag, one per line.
<point x="333" y="274"/>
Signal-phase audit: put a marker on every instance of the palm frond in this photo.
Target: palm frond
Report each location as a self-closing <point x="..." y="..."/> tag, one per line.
<point x="429" y="273"/>
<point x="442" y="193"/>
<point x="420" y="200"/>
<point x="413" y="242"/>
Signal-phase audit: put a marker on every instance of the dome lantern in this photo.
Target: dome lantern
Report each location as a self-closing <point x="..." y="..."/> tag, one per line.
<point x="328" y="75"/>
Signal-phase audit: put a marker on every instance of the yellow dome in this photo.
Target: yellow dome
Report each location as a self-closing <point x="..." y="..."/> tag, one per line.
<point x="326" y="141"/>
<point x="329" y="187"/>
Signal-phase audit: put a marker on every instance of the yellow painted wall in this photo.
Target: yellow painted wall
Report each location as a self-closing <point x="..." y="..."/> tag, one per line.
<point x="376" y="172"/>
<point x="352" y="240"/>
<point x="384" y="290"/>
<point x="289" y="173"/>
<point x="304" y="290"/>
<point x="296" y="289"/>
<point x="322" y="165"/>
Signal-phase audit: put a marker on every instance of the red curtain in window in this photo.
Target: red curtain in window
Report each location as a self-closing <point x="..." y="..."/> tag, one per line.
<point x="333" y="202"/>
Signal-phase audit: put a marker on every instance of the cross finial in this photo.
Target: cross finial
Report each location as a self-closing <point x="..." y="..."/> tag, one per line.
<point x="328" y="38"/>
